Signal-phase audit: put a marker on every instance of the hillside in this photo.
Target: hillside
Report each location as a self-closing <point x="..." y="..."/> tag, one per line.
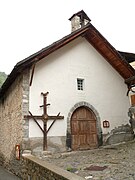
<point x="3" y="77"/>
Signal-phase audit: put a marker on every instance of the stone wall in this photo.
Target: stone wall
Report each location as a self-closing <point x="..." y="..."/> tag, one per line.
<point x="25" y="109"/>
<point x="120" y="134"/>
<point x="54" y="144"/>
<point x="10" y="123"/>
<point x="12" y="128"/>
<point x="34" y="168"/>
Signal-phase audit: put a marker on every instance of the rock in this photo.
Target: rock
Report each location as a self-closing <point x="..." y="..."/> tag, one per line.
<point x="89" y="177"/>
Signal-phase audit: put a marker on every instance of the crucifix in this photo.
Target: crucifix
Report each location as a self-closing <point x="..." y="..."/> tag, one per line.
<point x="45" y="117"/>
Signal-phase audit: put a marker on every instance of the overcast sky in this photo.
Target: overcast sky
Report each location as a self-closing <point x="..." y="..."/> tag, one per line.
<point x="26" y="26"/>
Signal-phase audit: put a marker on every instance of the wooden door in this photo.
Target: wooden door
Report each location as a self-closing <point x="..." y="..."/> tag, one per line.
<point x="83" y="129"/>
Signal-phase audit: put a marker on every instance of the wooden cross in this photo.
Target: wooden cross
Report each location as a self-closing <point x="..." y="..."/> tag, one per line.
<point x="45" y="117"/>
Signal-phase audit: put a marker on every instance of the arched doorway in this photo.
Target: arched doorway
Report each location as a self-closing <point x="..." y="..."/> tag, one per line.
<point x="83" y="129"/>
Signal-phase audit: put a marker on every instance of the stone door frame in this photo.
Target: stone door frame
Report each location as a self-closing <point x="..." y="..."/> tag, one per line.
<point x="98" y="123"/>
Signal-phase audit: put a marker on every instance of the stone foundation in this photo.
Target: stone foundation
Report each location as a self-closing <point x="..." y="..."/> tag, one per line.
<point x="120" y="134"/>
<point x="55" y="144"/>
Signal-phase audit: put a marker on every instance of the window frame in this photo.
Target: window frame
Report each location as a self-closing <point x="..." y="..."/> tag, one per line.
<point x="80" y="84"/>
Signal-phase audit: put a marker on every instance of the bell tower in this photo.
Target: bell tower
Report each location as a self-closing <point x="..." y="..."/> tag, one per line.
<point x="78" y="20"/>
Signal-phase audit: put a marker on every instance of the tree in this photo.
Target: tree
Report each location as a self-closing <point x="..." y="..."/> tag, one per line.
<point x="3" y="77"/>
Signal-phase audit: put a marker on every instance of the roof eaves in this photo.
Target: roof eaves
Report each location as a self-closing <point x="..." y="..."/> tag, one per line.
<point x="92" y="33"/>
<point x="130" y="57"/>
<point x="56" y="45"/>
<point x="29" y="61"/>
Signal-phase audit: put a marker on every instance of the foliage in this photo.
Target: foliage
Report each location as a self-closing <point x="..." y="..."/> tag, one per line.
<point x="72" y="169"/>
<point x="3" y="77"/>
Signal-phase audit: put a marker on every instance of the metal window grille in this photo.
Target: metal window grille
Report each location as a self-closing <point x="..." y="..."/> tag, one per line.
<point x="80" y="84"/>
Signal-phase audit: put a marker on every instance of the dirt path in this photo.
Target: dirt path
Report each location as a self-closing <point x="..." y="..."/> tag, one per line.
<point x="115" y="162"/>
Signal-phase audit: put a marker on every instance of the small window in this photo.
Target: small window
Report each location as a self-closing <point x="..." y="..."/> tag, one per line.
<point x="80" y="84"/>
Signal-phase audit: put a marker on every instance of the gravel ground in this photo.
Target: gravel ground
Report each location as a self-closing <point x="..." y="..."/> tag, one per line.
<point x="116" y="162"/>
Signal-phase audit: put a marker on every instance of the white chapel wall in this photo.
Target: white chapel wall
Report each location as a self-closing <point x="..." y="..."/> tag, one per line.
<point x="133" y="64"/>
<point x="57" y="74"/>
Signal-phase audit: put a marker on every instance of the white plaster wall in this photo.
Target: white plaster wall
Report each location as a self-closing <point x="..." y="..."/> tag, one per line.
<point x="104" y="87"/>
<point x="133" y="64"/>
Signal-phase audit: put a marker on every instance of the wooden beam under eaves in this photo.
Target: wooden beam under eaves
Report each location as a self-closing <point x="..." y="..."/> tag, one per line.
<point x="32" y="73"/>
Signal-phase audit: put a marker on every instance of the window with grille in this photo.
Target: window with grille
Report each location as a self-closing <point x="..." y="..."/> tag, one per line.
<point x="80" y="84"/>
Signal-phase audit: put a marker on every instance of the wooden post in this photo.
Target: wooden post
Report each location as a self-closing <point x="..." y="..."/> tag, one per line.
<point x="45" y="120"/>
